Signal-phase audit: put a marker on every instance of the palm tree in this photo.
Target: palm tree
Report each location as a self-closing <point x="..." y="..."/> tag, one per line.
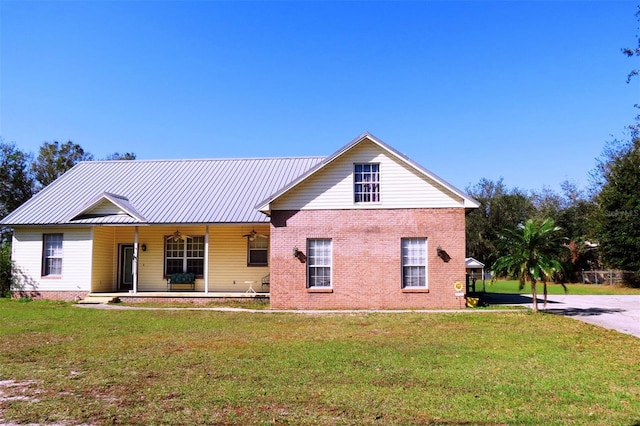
<point x="533" y="249"/>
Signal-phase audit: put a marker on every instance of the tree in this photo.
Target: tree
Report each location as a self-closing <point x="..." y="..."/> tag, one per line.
<point x="533" y="250"/>
<point x="500" y="208"/>
<point x="54" y="159"/>
<point x="616" y="181"/>
<point x="633" y="51"/>
<point x="16" y="180"/>
<point x="574" y="213"/>
<point x="618" y="218"/>
<point x="6" y="269"/>
<point x="118" y="156"/>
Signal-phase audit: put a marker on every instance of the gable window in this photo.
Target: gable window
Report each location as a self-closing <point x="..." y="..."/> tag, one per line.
<point x="184" y="255"/>
<point x="366" y="182"/>
<point x="258" y="251"/>
<point x="414" y="262"/>
<point x="319" y="263"/>
<point x="51" y="254"/>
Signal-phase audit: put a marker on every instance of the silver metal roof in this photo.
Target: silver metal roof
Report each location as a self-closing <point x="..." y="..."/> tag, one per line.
<point x="162" y="191"/>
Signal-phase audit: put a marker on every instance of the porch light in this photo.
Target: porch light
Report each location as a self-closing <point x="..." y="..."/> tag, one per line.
<point x="177" y="236"/>
<point x="296" y="252"/>
<point x="442" y="254"/>
<point x="144" y="247"/>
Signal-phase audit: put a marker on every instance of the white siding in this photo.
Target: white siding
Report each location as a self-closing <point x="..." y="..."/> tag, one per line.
<point x="76" y="261"/>
<point x="105" y="207"/>
<point x="400" y="185"/>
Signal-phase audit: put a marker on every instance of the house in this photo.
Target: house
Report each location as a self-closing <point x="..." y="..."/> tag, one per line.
<point x="365" y="227"/>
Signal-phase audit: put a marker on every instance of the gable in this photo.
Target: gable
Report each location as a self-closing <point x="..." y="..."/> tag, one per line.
<point x="401" y="185"/>
<point x="107" y="208"/>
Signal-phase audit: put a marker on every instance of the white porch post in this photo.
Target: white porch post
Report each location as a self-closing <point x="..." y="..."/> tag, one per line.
<point x="206" y="259"/>
<point x="135" y="261"/>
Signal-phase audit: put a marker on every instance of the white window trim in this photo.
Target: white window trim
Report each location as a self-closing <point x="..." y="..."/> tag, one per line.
<point x="378" y="183"/>
<point x="45" y="270"/>
<point x="425" y="265"/>
<point x="249" y="250"/>
<point x="184" y="256"/>
<point x="329" y="265"/>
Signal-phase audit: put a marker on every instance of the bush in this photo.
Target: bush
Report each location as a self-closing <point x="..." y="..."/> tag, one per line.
<point x="6" y="269"/>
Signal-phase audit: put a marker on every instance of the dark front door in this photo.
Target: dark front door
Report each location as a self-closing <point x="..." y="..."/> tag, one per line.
<point x="125" y="274"/>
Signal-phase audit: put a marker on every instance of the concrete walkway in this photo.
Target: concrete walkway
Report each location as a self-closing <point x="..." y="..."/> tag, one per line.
<point x="621" y="313"/>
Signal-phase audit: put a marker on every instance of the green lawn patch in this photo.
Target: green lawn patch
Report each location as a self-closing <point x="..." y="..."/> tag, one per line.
<point x="61" y="364"/>
<point x="511" y="286"/>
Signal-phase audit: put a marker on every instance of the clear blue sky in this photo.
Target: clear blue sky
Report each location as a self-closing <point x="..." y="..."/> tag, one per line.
<point x="528" y="91"/>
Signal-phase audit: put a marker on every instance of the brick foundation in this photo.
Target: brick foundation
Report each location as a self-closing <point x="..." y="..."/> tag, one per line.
<point x="366" y="269"/>
<point x="66" y="296"/>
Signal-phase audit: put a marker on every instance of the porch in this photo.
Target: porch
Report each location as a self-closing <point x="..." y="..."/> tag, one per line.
<point x="222" y="260"/>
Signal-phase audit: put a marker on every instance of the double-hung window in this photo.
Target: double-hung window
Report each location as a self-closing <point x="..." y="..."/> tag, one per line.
<point x="319" y="263"/>
<point x="51" y="254"/>
<point x="258" y="251"/>
<point x="366" y="183"/>
<point x="184" y="255"/>
<point x="414" y="263"/>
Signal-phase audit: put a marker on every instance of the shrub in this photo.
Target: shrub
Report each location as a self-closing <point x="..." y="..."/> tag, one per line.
<point x="6" y="269"/>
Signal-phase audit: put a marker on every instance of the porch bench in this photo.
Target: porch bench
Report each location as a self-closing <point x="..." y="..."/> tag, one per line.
<point x="186" y="279"/>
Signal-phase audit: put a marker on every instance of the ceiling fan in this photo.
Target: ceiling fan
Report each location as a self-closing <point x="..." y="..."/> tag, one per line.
<point x="253" y="234"/>
<point x="176" y="236"/>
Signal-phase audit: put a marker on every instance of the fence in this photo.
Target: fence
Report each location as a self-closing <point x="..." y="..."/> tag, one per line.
<point x="612" y="277"/>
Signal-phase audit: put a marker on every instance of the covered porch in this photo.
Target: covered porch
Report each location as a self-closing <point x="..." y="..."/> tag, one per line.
<point x="219" y="261"/>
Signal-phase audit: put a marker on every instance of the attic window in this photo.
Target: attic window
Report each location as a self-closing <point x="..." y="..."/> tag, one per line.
<point x="366" y="182"/>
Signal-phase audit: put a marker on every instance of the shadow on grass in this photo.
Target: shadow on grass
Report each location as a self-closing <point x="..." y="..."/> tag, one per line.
<point x="583" y="312"/>
<point x="507" y="299"/>
<point x="503" y="299"/>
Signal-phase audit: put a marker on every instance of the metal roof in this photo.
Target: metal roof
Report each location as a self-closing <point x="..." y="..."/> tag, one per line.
<point x="472" y="263"/>
<point x="162" y="191"/>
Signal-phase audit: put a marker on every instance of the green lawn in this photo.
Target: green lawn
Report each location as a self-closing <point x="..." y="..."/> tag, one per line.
<point x="88" y="366"/>
<point x="505" y="286"/>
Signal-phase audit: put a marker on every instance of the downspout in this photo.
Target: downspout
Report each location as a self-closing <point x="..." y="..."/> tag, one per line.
<point x="206" y="259"/>
<point x="135" y="261"/>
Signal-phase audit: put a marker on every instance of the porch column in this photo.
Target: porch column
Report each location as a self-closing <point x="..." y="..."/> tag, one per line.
<point x="135" y="261"/>
<point x="206" y="259"/>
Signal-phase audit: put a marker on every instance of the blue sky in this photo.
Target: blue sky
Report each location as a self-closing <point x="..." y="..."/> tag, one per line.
<point x="527" y="91"/>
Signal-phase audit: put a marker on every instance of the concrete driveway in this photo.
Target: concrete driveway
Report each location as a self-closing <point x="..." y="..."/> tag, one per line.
<point x="621" y="313"/>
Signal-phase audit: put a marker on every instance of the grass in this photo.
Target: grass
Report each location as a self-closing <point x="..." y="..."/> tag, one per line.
<point x="511" y="286"/>
<point x="61" y="364"/>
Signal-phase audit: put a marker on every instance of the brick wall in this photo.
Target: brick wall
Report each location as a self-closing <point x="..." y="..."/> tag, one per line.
<point x="66" y="296"/>
<point x="367" y="257"/>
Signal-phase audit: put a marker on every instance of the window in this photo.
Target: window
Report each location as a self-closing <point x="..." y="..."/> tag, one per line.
<point x="414" y="262"/>
<point x="52" y="254"/>
<point x="184" y="255"/>
<point x="258" y="251"/>
<point x="319" y="263"/>
<point x="366" y="183"/>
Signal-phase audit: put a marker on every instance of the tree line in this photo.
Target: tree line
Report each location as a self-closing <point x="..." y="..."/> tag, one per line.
<point x="601" y="226"/>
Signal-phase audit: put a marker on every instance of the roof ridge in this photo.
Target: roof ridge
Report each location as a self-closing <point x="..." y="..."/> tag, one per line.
<point x="178" y="160"/>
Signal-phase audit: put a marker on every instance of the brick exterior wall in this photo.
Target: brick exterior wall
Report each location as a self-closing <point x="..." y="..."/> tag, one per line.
<point x="66" y="296"/>
<point x="366" y="264"/>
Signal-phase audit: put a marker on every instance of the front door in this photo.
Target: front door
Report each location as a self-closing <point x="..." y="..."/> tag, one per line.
<point x="125" y="274"/>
